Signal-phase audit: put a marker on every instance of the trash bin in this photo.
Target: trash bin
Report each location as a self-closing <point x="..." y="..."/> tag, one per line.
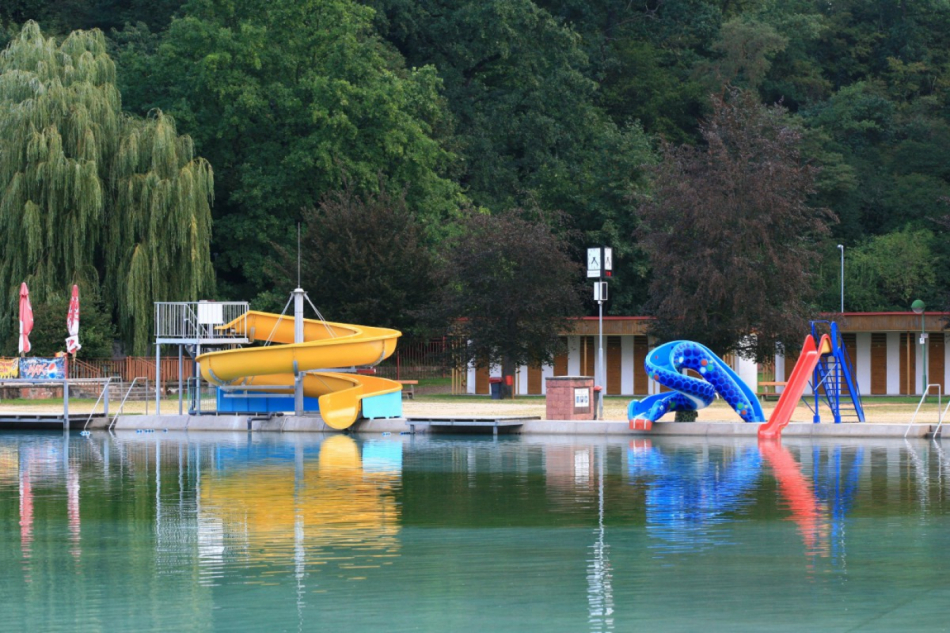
<point x="495" y="385"/>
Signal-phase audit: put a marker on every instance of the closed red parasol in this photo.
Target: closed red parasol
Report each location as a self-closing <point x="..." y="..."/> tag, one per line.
<point x="72" y="323"/>
<point x="26" y="320"/>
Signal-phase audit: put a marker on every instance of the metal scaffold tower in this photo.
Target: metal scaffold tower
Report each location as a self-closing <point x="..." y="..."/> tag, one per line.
<point x="191" y="325"/>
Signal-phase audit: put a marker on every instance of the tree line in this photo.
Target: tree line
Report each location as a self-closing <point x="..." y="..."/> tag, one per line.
<point x="722" y="148"/>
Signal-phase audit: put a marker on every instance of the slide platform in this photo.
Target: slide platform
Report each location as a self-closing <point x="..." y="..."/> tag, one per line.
<point x="801" y="374"/>
<point x="326" y="346"/>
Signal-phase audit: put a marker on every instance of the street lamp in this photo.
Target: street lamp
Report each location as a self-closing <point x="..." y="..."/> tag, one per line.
<point x="918" y="307"/>
<point x="841" y="248"/>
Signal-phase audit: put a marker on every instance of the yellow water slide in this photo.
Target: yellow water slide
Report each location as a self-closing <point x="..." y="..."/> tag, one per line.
<point x="326" y="345"/>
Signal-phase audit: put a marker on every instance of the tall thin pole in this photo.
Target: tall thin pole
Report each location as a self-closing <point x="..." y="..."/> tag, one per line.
<point x="923" y="346"/>
<point x="600" y="361"/>
<point x="298" y="333"/>
<point x="841" y="248"/>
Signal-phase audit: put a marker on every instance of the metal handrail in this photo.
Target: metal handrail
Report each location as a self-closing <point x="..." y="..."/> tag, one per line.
<point x="920" y="404"/>
<point x="119" y="412"/>
<point x="105" y="388"/>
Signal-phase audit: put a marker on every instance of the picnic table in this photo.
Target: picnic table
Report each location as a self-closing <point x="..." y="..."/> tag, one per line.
<point x="766" y="393"/>
<point x="411" y="392"/>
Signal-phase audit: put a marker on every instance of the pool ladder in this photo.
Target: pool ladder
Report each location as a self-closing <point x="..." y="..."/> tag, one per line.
<point x="940" y="413"/>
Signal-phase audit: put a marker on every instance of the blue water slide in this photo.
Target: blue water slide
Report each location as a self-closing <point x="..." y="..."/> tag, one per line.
<point x="665" y="364"/>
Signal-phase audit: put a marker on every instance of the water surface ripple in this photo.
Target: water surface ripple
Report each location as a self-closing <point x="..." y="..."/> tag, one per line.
<point x="237" y="532"/>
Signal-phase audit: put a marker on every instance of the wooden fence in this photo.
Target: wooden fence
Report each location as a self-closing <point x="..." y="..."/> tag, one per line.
<point x="411" y="362"/>
<point x="131" y="367"/>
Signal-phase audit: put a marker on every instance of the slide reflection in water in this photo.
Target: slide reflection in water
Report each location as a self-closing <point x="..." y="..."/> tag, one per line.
<point x="339" y="511"/>
<point x="688" y="495"/>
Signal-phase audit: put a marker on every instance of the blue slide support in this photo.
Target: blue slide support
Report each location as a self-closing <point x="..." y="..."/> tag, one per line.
<point x="664" y="365"/>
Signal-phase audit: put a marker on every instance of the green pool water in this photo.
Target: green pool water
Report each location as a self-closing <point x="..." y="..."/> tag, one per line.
<point x="234" y="532"/>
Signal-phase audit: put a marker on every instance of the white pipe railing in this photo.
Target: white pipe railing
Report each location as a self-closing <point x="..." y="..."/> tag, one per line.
<point x="131" y="386"/>
<point x="104" y="392"/>
<point x="920" y="404"/>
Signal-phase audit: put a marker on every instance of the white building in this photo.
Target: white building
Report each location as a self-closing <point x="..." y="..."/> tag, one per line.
<point x="882" y="346"/>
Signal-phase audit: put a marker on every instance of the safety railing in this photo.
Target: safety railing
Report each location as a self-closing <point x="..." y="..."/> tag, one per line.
<point x="126" y="397"/>
<point x="103" y="394"/>
<point x="198" y="320"/>
<point x="923" y="398"/>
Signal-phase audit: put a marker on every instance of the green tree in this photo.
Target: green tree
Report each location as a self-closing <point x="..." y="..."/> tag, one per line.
<point x="508" y="285"/>
<point x="527" y="122"/>
<point x="63" y="16"/>
<point x="366" y="259"/>
<point x="290" y="99"/>
<point x="731" y="235"/>
<point x="887" y="272"/>
<point x="91" y="195"/>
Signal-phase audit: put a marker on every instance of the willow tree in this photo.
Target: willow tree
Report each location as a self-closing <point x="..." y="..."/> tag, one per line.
<point x="89" y="194"/>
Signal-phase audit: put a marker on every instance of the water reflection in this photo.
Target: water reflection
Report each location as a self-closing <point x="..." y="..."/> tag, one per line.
<point x="338" y="512"/>
<point x="690" y="494"/>
<point x="451" y="534"/>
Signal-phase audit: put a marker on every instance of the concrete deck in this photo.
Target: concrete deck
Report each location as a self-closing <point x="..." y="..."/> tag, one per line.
<point x="512" y="425"/>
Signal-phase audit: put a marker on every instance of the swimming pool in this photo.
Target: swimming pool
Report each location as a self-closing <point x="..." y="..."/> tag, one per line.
<point x="207" y="532"/>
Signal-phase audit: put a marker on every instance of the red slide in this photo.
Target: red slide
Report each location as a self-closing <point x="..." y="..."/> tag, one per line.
<point x="795" y="387"/>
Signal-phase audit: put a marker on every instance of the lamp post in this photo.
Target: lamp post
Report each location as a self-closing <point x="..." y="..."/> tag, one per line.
<point x="918" y="307"/>
<point x="841" y="248"/>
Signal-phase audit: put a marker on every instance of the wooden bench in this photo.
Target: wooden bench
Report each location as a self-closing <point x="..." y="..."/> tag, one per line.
<point x="411" y="392"/>
<point x="767" y="393"/>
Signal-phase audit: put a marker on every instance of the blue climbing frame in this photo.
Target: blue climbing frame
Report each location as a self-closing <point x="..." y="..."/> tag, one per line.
<point x="833" y="371"/>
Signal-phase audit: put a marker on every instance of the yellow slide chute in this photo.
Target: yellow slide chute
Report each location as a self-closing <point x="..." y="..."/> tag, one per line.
<point x="326" y="345"/>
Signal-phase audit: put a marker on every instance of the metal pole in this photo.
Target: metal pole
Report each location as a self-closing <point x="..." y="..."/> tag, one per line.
<point x="923" y="345"/>
<point x="180" y="369"/>
<point x="65" y="404"/>
<point x="841" y="248"/>
<point x="600" y="361"/>
<point x="197" y="379"/>
<point x="158" y="378"/>
<point x="298" y="338"/>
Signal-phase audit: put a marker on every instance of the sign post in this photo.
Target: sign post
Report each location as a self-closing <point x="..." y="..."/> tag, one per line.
<point x="600" y="264"/>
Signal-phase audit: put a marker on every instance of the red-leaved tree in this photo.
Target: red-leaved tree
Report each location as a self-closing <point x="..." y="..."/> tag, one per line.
<point x="731" y="235"/>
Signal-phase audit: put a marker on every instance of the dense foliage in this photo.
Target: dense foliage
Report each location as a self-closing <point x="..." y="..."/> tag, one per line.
<point x="545" y="105"/>
<point x="508" y="284"/>
<point x="366" y="258"/>
<point x="90" y="195"/>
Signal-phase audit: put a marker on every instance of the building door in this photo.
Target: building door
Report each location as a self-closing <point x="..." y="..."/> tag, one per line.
<point x="614" y="355"/>
<point x="936" y="360"/>
<point x="879" y="363"/>
<point x="640" y="379"/>
<point x="481" y="380"/>
<point x="588" y="355"/>
<point x="534" y="381"/>
<point x="908" y="363"/>
<point x="560" y="360"/>
<point x="851" y="346"/>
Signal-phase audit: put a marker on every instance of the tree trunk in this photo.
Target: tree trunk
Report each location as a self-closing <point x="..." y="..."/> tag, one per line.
<point x="507" y="370"/>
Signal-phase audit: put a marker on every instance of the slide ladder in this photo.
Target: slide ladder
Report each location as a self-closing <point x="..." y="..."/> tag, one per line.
<point x="835" y="373"/>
